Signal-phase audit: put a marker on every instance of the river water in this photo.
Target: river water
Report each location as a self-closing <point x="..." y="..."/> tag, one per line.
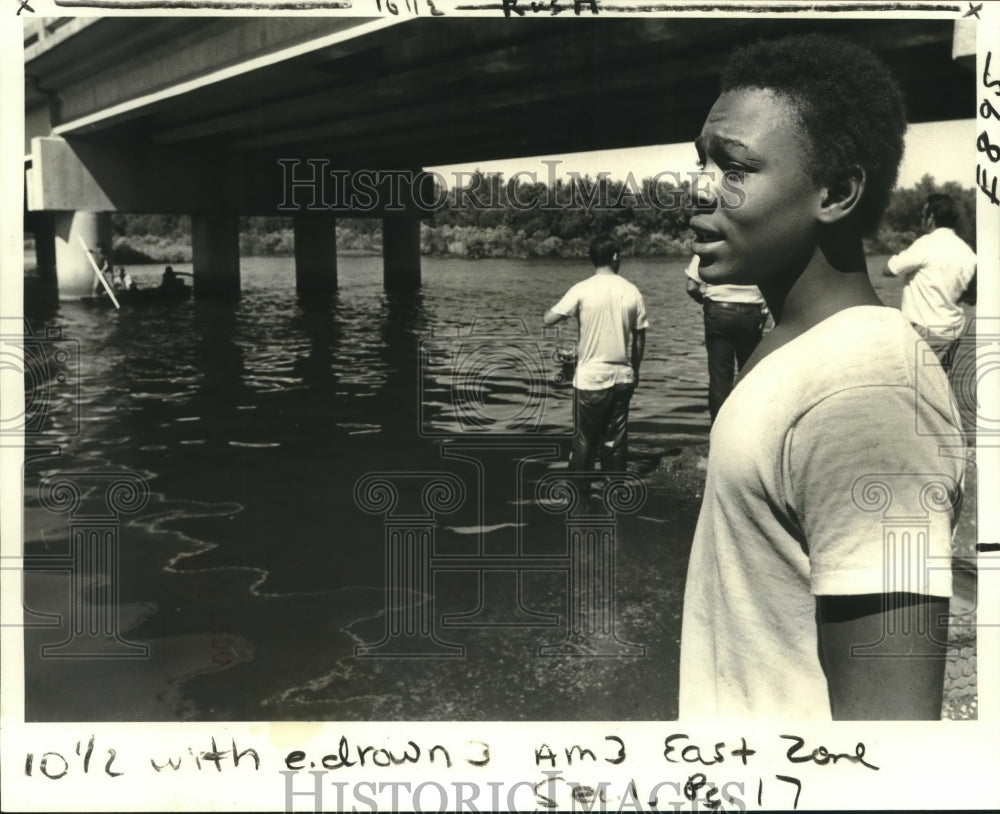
<point x="253" y="570"/>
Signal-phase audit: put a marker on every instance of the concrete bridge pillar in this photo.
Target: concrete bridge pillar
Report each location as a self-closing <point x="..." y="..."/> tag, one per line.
<point x="401" y="253"/>
<point x="215" y="245"/>
<point x="43" y="226"/>
<point x="75" y="275"/>
<point x="315" y="253"/>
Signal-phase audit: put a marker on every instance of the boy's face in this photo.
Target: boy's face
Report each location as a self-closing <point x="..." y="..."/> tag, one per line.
<point x="752" y="137"/>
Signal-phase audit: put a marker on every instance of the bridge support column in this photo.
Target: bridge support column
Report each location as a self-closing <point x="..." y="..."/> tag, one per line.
<point x="43" y="226"/>
<point x="401" y="253"/>
<point x="215" y="244"/>
<point x="75" y="275"/>
<point x="315" y="253"/>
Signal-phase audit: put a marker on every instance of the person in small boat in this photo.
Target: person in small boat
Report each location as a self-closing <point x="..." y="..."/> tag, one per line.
<point x="171" y="282"/>
<point x="107" y="272"/>
<point x="124" y="281"/>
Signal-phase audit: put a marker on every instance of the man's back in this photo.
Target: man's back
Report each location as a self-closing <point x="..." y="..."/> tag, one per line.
<point x="940" y="266"/>
<point x="609" y="308"/>
<point x="613" y="325"/>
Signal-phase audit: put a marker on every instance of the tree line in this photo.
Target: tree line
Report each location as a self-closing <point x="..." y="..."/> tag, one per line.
<point x="490" y="218"/>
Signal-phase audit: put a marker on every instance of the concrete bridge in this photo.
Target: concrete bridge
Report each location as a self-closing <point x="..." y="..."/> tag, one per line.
<point x="222" y="117"/>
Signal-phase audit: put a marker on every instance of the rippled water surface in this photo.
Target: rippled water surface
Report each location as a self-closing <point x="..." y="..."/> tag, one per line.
<point x="251" y="571"/>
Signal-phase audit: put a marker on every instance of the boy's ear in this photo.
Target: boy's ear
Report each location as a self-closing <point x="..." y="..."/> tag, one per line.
<point x="841" y="197"/>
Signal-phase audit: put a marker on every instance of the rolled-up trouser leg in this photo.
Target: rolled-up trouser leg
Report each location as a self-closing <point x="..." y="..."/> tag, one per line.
<point x="591" y="414"/>
<point x="614" y="446"/>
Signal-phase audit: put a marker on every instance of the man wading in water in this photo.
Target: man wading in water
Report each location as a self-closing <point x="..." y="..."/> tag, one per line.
<point x="612" y="342"/>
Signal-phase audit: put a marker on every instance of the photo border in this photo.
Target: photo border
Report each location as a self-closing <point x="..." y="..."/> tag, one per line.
<point x="936" y="765"/>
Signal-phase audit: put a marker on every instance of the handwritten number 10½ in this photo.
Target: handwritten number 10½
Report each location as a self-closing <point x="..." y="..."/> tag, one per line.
<point x="411" y="7"/>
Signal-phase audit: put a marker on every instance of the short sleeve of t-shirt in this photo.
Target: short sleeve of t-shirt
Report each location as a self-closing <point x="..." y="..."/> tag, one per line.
<point x="692" y="270"/>
<point x="874" y="499"/>
<point x="641" y="322"/>
<point x="909" y="259"/>
<point x="569" y="304"/>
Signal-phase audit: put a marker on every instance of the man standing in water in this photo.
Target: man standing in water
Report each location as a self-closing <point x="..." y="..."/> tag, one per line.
<point x="734" y="323"/>
<point x="800" y="603"/>
<point x="612" y="341"/>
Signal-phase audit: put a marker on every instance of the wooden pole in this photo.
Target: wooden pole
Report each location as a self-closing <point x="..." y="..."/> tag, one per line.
<point x="97" y="271"/>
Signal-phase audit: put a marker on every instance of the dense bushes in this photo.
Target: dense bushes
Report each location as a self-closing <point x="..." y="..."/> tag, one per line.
<point x="145" y="248"/>
<point x="151" y="239"/>
<point x="481" y="221"/>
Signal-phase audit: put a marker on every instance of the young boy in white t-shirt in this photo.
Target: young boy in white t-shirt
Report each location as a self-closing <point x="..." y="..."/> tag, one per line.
<point x="820" y="570"/>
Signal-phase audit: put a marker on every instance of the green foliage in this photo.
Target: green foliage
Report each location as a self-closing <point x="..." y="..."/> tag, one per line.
<point x="150" y="249"/>
<point x="493" y="217"/>
<point x="150" y="238"/>
<point x="902" y="222"/>
<point x="272" y="243"/>
<point x="175" y="226"/>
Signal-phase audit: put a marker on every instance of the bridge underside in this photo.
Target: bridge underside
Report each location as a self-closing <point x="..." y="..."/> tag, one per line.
<point x="193" y="114"/>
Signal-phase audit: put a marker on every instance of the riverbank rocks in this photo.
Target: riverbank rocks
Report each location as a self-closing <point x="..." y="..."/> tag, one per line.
<point x="683" y="469"/>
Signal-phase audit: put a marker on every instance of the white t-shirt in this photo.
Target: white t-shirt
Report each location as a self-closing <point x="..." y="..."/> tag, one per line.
<point x="609" y="308"/>
<point x="939" y="267"/>
<point x="824" y="466"/>
<point x="746" y="294"/>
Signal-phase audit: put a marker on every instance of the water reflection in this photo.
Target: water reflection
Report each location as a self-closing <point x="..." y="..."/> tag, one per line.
<point x="317" y="321"/>
<point x="221" y="373"/>
<point x="403" y="321"/>
<point x="253" y="421"/>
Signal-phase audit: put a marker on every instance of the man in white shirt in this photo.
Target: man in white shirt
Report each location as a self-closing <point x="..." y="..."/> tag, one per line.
<point x="818" y="579"/>
<point x="939" y="268"/>
<point x="734" y="323"/>
<point x="612" y="342"/>
<point x="124" y="281"/>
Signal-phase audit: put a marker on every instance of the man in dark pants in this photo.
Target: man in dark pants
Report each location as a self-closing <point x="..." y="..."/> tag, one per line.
<point x="612" y="341"/>
<point x="734" y="323"/>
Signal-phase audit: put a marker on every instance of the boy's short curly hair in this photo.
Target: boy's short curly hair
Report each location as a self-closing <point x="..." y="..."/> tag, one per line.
<point x="847" y="102"/>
